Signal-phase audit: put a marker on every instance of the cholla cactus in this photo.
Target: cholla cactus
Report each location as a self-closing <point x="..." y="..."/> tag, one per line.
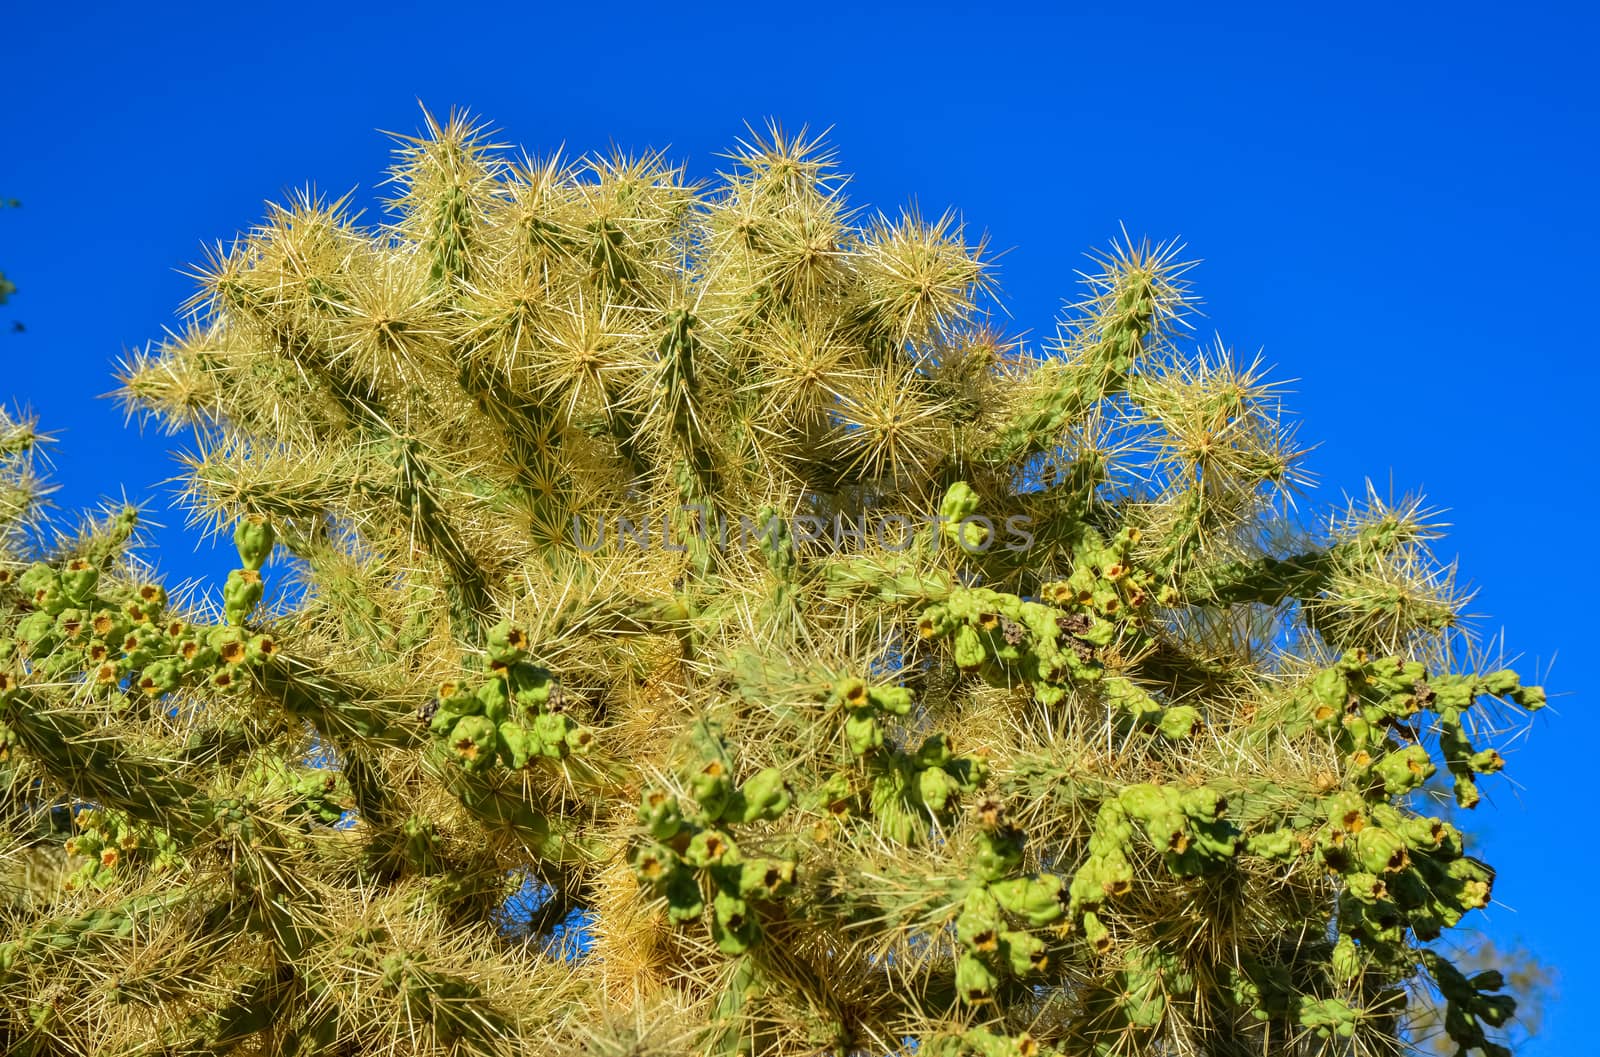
<point x="672" y="619"/>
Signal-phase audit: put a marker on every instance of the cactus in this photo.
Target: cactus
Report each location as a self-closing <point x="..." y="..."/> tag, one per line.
<point x="706" y="610"/>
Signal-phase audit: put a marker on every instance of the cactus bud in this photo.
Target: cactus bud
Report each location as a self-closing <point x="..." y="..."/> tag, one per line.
<point x="474" y="741"/>
<point x="658" y="812"/>
<point x="852" y="693"/>
<point x="712" y="788"/>
<point x="1024" y="952"/>
<point x="1380" y="850"/>
<point x="969" y="651"/>
<point x="254" y="537"/>
<point x="766" y="796"/>
<point x="684" y="899"/>
<point x="1405" y="770"/>
<point x="1346" y="961"/>
<point x="975" y="981"/>
<point x="241" y="593"/>
<point x="1095" y="933"/>
<point x="709" y="848"/>
<point x="1037" y="900"/>
<point x="895" y="700"/>
<point x="862" y="732"/>
<point x="507" y="644"/>
<point x="935" y="751"/>
<point x="78" y="581"/>
<point x="655" y="865"/>
<point x="998" y="853"/>
<point x="733" y="928"/>
<point x="936" y="788"/>
<point x="766" y="878"/>
<point x="978" y="925"/>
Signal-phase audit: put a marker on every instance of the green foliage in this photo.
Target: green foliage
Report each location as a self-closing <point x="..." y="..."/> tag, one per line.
<point x="698" y="570"/>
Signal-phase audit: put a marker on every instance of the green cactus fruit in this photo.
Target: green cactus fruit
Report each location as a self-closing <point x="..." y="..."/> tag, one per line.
<point x="1432" y="835"/>
<point x="1095" y="933"/>
<point x="38" y="634"/>
<point x="1531" y="698"/>
<point x="659" y="814"/>
<point x="109" y="625"/>
<point x="1178" y="722"/>
<point x="1326" y="696"/>
<point x="35" y="578"/>
<point x="1036" y="900"/>
<point x="969" y="650"/>
<point x="494" y="700"/>
<point x="579" y="740"/>
<point x="935" y="622"/>
<point x="1145" y="801"/>
<point x="979" y="924"/>
<point x="507" y="644"/>
<point x="1347" y="961"/>
<point x="151" y="600"/>
<point x="1024" y="952"/>
<point x="655" y="865"/>
<point x="852" y="693"/>
<point x="712" y="788"/>
<point x="685" y="902"/>
<point x="730" y="908"/>
<point x="241" y="594"/>
<point x="935" y="751"/>
<point x="530" y="686"/>
<point x="1405" y="770"/>
<point x="895" y="700"/>
<point x="709" y="848"/>
<point x="253" y="536"/>
<point x="1486" y="762"/>
<point x="474" y="740"/>
<point x="998" y="854"/>
<point x="79" y="580"/>
<point x="72" y="625"/>
<point x="1204" y="804"/>
<point x="161" y="677"/>
<point x="766" y="796"/>
<point x="862" y="733"/>
<point x="1379" y="850"/>
<point x="517" y="744"/>
<point x="1488" y="980"/>
<point x="1366" y="888"/>
<point x="975" y="981"/>
<point x="1473" y="882"/>
<point x="453" y="703"/>
<point x="734" y="929"/>
<point x="959" y="502"/>
<point x="1345" y="811"/>
<point x="1280" y="844"/>
<point x="1466" y="790"/>
<point x="1327" y="1017"/>
<point x="551" y="730"/>
<point x="766" y="878"/>
<point x="936" y="788"/>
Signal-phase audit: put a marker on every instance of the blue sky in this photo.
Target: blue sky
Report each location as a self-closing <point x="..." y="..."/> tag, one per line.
<point x="1396" y="206"/>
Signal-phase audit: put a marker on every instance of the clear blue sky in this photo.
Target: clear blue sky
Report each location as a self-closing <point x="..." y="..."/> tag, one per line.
<point x="1396" y="203"/>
